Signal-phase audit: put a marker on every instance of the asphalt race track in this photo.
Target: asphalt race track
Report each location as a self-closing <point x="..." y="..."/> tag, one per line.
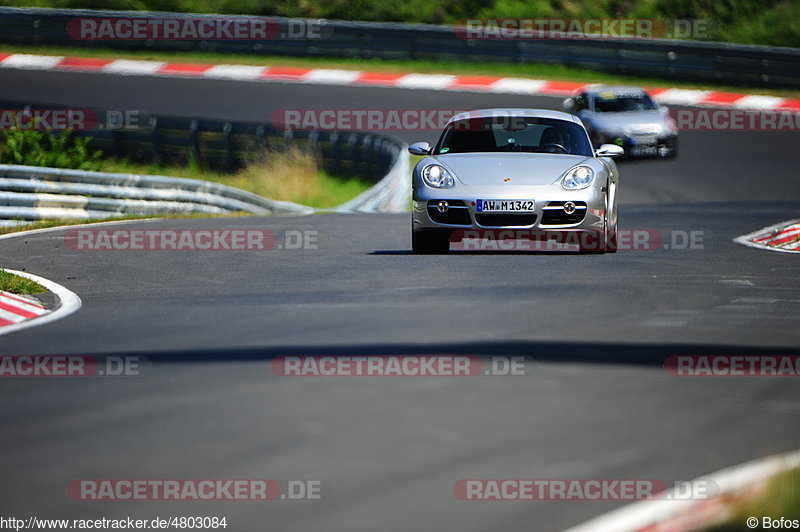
<point x="595" y="401"/>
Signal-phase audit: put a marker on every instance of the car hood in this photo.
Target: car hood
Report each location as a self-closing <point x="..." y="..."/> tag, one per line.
<point x="479" y="169"/>
<point x="621" y="122"/>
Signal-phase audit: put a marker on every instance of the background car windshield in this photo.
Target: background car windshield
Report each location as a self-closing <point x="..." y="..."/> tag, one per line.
<point x="621" y="103"/>
<point x="514" y="134"/>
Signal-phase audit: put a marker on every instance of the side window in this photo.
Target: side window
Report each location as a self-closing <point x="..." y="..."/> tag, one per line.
<point x="581" y="102"/>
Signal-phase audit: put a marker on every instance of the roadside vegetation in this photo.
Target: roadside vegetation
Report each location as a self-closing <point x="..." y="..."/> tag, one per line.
<point x="18" y="285"/>
<point x="767" y="22"/>
<point x="35" y="148"/>
<point x="292" y="174"/>
<point x="780" y="498"/>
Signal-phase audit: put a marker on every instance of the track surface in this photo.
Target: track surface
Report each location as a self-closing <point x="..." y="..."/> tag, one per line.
<point x="595" y="402"/>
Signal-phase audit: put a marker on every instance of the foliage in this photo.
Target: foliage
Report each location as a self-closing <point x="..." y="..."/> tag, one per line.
<point x="37" y="148"/>
<point x="770" y="22"/>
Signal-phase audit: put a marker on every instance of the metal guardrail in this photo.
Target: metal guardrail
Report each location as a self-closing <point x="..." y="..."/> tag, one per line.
<point x="679" y="59"/>
<point x="33" y="193"/>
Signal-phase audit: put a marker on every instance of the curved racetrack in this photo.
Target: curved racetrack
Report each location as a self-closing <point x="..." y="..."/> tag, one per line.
<point x="595" y="402"/>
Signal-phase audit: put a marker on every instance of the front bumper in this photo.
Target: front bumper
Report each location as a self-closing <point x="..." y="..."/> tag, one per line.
<point x="636" y="146"/>
<point x="548" y="215"/>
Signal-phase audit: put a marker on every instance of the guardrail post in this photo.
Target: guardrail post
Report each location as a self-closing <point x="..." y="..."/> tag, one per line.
<point x="351" y="145"/>
<point x="335" y="153"/>
<point x="36" y="25"/>
<point x="373" y="145"/>
<point x="230" y="156"/>
<point x="365" y="147"/>
<point x="194" y="138"/>
<point x="261" y="142"/>
<point x="116" y="143"/>
<point x="154" y="138"/>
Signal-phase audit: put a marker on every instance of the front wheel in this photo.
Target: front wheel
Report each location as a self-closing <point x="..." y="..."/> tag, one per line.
<point x="606" y="241"/>
<point x="611" y="230"/>
<point x="668" y="150"/>
<point x="428" y="242"/>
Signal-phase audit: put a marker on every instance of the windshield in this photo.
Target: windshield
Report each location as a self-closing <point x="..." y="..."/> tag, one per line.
<point x="514" y="134"/>
<point x="613" y="102"/>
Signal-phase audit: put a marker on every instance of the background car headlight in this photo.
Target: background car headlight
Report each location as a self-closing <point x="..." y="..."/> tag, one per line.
<point x="578" y="178"/>
<point x="670" y="125"/>
<point x="436" y="176"/>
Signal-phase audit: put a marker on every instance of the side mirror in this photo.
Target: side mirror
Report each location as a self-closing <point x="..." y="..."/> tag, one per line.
<point x="420" y="148"/>
<point x="568" y="104"/>
<point x="663" y="109"/>
<point x="609" y="150"/>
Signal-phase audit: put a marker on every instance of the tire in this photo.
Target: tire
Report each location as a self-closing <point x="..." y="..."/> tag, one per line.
<point x="671" y="150"/>
<point x="430" y="242"/>
<point x="611" y="233"/>
<point x="611" y="241"/>
<point x="607" y="241"/>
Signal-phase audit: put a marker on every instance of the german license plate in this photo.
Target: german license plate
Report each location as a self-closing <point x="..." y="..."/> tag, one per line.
<point x="504" y="205"/>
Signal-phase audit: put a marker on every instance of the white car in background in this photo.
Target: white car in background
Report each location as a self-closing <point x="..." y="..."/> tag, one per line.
<point x="627" y="117"/>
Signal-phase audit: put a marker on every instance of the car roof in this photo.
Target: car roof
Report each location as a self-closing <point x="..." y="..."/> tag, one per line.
<point x="597" y="88"/>
<point x="519" y="112"/>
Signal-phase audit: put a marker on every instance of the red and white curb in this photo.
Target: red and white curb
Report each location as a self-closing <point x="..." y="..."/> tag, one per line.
<point x="784" y="237"/>
<point x="665" y="515"/>
<point x="17" y="313"/>
<point x="16" y="309"/>
<point x="324" y="76"/>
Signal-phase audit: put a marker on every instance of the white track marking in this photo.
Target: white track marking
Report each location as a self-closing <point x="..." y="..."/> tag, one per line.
<point x="238" y="72"/>
<point x="331" y="76"/>
<point x="69" y="303"/>
<point x="133" y="68"/>
<point x="31" y="62"/>
<point x="425" y="81"/>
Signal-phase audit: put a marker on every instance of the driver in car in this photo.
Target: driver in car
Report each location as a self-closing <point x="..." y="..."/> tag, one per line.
<point x="555" y="137"/>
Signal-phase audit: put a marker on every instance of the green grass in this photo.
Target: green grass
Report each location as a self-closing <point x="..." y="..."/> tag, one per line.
<point x="521" y="70"/>
<point x="293" y="176"/>
<point x="18" y="285"/>
<point x="780" y="498"/>
<point x="771" y="22"/>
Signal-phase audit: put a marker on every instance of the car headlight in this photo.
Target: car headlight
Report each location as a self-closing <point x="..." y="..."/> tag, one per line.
<point x="578" y="178"/>
<point x="436" y="176"/>
<point x="670" y="125"/>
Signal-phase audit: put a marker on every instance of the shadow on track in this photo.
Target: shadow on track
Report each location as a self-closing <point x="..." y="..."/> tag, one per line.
<point x="563" y="352"/>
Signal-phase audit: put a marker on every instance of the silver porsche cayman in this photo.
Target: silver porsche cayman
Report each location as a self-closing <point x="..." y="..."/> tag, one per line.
<point x="517" y="171"/>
